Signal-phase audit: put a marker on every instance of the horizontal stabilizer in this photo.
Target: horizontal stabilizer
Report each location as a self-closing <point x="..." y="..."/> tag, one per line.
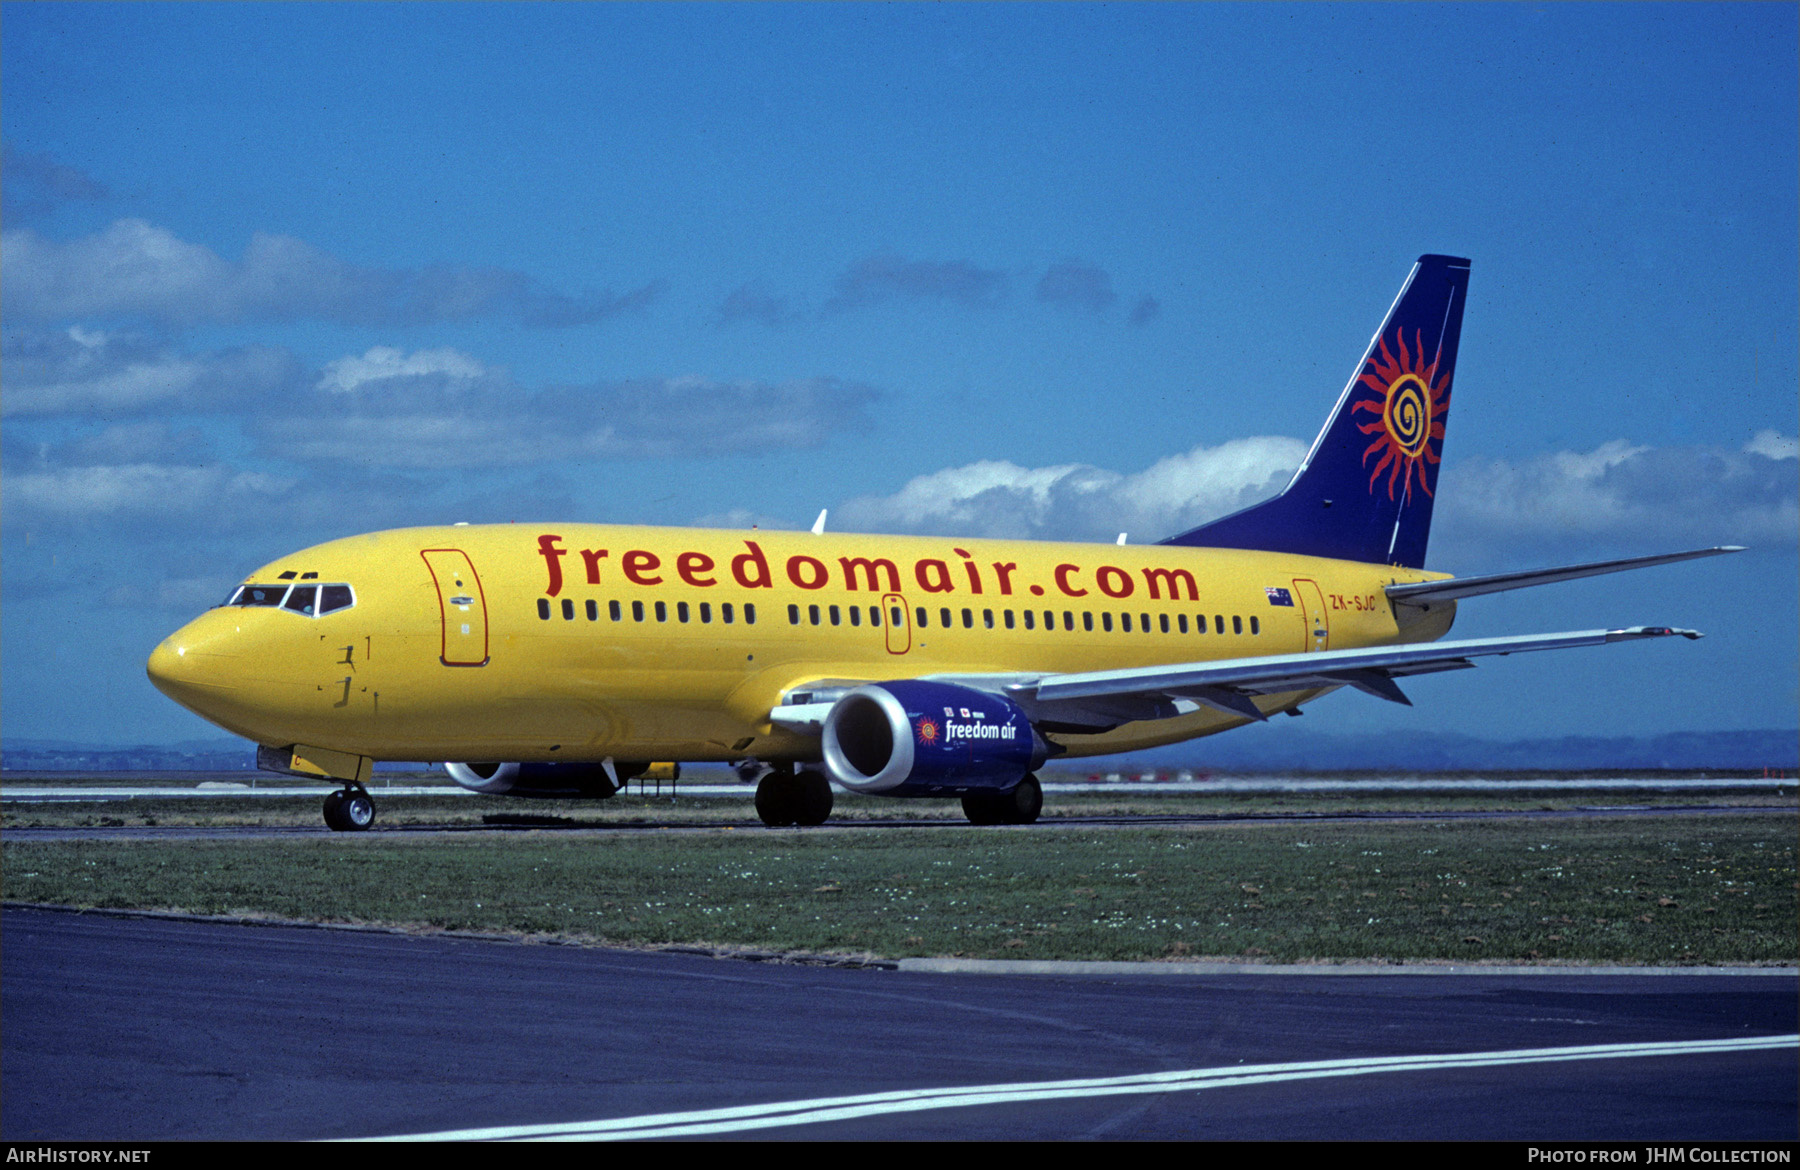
<point x="1425" y="592"/>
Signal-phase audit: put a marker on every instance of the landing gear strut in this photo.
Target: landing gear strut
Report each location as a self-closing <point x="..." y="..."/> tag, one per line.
<point x="793" y="798"/>
<point x="350" y="810"/>
<point x="1019" y="805"/>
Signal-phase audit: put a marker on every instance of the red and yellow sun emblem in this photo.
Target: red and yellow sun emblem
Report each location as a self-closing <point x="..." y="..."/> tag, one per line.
<point x="928" y="732"/>
<point x="1410" y="401"/>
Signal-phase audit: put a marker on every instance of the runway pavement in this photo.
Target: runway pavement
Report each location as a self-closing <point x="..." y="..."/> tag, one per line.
<point x="130" y="1028"/>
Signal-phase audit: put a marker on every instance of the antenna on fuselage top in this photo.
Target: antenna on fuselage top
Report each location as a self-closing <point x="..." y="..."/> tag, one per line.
<point x="1122" y="536"/>
<point x="818" y="528"/>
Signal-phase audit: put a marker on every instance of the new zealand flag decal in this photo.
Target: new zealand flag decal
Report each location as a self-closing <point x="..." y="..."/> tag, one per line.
<point x="1279" y="596"/>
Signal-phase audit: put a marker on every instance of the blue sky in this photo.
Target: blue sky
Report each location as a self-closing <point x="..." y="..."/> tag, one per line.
<point x="275" y="274"/>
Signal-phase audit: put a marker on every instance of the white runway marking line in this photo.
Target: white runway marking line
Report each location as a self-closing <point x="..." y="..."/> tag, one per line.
<point x="822" y="1109"/>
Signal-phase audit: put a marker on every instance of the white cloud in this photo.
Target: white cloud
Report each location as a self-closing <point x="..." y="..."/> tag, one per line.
<point x="445" y="414"/>
<point x="1558" y="503"/>
<point x="79" y="371"/>
<point x="1773" y="445"/>
<point x="136" y="269"/>
<point x="349" y="373"/>
<point x="1623" y="493"/>
<point x="1079" y="502"/>
<point x="145" y="490"/>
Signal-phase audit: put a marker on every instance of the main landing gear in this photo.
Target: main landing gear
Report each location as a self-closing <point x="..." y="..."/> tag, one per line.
<point x="1019" y="805"/>
<point x="350" y="810"/>
<point x="793" y="798"/>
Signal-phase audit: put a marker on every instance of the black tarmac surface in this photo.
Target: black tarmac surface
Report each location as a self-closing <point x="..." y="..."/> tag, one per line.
<point x="123" y="1028"/>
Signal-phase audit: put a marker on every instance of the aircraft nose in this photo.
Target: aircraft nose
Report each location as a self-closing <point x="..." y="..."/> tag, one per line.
<point x="192" y="669"/>
<point x="165" y="668"/>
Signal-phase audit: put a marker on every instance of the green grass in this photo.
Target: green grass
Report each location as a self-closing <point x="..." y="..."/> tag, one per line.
<point x="1642" y="889"/>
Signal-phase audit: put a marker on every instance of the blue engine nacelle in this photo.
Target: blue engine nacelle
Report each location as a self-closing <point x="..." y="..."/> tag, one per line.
<point x="571" y="781"/>
<point x="913" y="738"/>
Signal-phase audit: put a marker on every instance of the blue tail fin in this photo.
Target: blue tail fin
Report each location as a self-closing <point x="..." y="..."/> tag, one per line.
<point x="1365" y="491"/>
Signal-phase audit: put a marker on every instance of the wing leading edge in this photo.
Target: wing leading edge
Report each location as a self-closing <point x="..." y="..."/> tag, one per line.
<point x="1103" y="697"/>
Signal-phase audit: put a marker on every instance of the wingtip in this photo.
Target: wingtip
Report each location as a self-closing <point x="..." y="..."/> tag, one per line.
<point x="1652" y="632"/>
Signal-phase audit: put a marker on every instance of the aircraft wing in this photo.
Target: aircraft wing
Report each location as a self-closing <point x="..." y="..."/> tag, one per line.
<point x="1112" y="696"/>
<point x="1102" y="699"/>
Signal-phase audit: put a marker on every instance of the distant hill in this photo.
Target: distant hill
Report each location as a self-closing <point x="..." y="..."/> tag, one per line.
<point x="1281" y="749"/>
<point x="1297" y="750"/>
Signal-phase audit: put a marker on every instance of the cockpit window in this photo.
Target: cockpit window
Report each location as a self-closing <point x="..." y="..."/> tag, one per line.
<point x="259" y="594"/>
<point x="308" y="599"/>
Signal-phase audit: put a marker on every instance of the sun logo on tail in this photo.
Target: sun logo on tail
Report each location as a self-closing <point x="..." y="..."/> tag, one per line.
<point x="1410" y="402"/>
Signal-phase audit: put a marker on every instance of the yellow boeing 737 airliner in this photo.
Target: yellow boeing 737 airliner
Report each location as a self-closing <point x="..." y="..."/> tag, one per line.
<point x="559" y="659"/>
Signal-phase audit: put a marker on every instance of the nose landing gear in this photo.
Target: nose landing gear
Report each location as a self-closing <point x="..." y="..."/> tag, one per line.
<point x="350" y="810"/>
<point x="793" y="798"/>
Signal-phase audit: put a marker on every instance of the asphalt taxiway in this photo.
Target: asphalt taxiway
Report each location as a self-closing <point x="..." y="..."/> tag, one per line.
<point x="133" y="1028"/>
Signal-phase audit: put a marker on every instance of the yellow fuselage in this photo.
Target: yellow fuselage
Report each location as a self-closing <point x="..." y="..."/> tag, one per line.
<point x="579" y="642"/>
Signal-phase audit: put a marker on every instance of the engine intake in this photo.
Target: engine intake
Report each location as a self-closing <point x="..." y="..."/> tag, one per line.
<point x="912" y="738"/>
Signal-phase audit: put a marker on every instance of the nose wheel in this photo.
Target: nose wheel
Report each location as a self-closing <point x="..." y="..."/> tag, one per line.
<point x="793" y="798"/>
<point x="350" y="810"/>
